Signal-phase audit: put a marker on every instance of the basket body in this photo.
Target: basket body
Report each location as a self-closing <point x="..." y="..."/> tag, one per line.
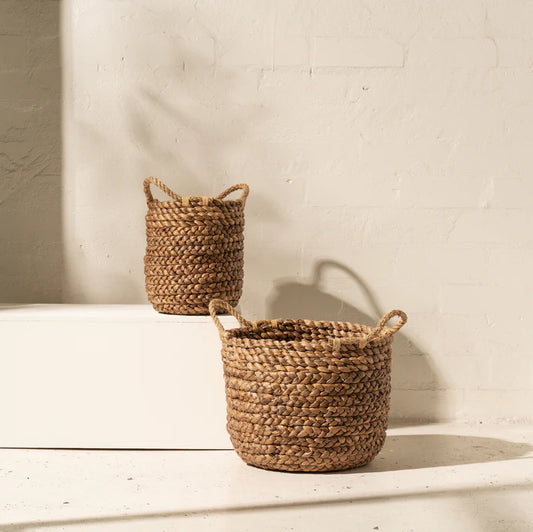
<point x="194" y="253"/>
<point x="297" y="400"/>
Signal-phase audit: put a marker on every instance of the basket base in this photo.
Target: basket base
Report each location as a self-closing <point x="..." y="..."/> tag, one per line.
<point x="181" y="311"/>
<point x="315" y="461"/>
<point x="184" y="310"/>
<point x="341" y="465"/>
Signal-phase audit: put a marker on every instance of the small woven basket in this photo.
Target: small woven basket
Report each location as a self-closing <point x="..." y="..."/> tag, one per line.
<point x="306" y="395"/>
<point x="194" y="249"/>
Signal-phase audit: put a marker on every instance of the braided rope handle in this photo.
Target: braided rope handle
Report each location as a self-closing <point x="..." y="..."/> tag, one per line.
<point x="185" y="199"/>
<point x="218" y="305"/>
<point x="377" y="331"/>
<point x="160" y="185"/>
<point x="241" y="186"/>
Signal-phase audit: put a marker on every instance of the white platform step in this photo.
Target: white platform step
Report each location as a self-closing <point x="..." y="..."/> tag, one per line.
<point x="111" y="376"/>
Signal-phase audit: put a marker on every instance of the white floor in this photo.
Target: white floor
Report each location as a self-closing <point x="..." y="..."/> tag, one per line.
<point x="428" y="478"/>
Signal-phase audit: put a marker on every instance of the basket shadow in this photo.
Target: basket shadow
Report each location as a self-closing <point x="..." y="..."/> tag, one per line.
<point x="417" y="451"/>
<point x="414" y="376"/>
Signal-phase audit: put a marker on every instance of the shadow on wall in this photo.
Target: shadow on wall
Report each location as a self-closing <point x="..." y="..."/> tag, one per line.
<point x="31" y="265"/>
<point x="296" y="299"/>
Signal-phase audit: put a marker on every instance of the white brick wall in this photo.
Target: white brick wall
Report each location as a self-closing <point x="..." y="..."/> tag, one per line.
<point x="391" y="138"/>
<point x="359" y="52"/>
<point x="453" y="53"/>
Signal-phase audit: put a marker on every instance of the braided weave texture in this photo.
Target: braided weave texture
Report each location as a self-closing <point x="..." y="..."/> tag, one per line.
<point x="304" y="395"/>
<point x="194" y="250"/>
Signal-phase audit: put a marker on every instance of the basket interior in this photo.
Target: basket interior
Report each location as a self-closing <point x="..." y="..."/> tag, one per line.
<point x="300" y="331"/>
<point x="196" y="201"/>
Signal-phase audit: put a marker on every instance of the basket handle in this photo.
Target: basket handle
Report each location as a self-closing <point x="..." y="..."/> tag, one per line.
<point x="376" y="331"/>
<point x="241" y="186"/>
<point x="217" y="305"/>
<point x="156" y="182"/>
<point x="185" y="199"/>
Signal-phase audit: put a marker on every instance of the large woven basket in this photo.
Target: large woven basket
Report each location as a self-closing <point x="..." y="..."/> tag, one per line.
<point x="194" y="249"/>
<point x="306" y="395"/>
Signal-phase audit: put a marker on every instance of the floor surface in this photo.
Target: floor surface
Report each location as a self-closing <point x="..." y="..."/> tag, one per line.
<point x="444" y="477"/>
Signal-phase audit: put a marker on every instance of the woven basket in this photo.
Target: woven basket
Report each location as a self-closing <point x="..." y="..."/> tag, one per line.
<point x="306" y="395"/>
<point x="194" y="250"/>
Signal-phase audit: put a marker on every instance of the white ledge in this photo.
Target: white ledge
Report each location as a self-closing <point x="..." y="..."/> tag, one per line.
<point x="116" y="313"/>
<point x="110" y="376"/>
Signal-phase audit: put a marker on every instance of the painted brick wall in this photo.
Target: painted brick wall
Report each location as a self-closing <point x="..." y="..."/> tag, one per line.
<point x="387" y="145"/>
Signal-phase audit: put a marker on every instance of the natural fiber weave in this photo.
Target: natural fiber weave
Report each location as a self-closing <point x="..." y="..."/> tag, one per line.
<point x="306" y="395"/>
<point x="194" y="250"/>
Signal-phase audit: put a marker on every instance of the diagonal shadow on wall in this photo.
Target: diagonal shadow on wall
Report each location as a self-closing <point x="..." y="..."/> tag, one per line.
<point x="159" y="105"/>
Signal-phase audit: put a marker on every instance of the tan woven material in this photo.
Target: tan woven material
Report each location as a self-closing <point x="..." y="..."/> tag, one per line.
<point x="194" y="249"/>
<point x="306" y="395"/>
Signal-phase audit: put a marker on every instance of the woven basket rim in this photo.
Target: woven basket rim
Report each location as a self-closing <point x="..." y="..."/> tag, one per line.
<point x="248" y="334"/>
